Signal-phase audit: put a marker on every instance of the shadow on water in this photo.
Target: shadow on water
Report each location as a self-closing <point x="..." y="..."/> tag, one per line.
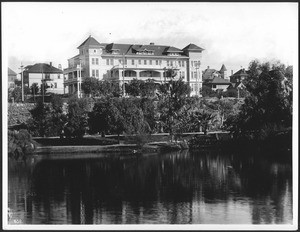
<point x="201" y="187"/>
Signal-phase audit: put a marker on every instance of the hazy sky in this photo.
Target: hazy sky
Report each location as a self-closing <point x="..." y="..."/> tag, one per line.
<point x="230" y="33"/>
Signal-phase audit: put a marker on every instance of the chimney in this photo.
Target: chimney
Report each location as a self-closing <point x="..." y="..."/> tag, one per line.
<point x="59" y="66"/>
<point x="151" y="43"/>
<point x="207" y="67"/>
<point x="231" y="72"/>
<point x="51" y="64"/>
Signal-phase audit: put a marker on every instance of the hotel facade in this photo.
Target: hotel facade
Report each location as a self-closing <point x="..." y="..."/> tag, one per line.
<point x="125" y="62"/>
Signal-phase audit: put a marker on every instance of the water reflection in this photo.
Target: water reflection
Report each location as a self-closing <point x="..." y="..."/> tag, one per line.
<point x="205" y="187"/>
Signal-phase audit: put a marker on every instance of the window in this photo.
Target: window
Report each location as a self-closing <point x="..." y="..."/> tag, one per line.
<point x="195" y="63"/>
<point x="192" y="75"/>
<point x="179" y="63"/>
<point x="125" y="61"/>
<point x="97" y="61"/>
<point x="95" y="51"/>
<point x="93" y="61"/>
<point x="132" y="61"/>
<point x="93" y="73"/>
<point x="156" y="62"/>
<point x="47" y="76"/>
<point x="183" y="74"/>
<point x="168" y="63"/>
<point x="192" y="63"/>
<point x="107" y="61"/>
<point x="140" y="61"/>
<point x="183" y="63"/>
<point x="97" y="73"/>
<point x="214" y="86"/>
<point x="58" y="76"/>
<point x="150" y="62"/>
<point x="111" y="61"/>
<point x="120" y="61"/>
<point x="145" y="62"/>
<point x="160" y="62"/>
<point x="171" y="63"/>
<point x="55" y="85"/>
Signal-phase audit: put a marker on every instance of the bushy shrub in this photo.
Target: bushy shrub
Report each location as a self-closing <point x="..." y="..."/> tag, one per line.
<point x="20" y="144"/>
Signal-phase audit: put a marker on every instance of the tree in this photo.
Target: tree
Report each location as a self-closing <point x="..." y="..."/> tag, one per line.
<point x="109" y="88"/>
<point x="47" y="119"/>
<point x="202" y="119"/>
<point x="44" y="87"/>
<point x="16" y="94"/>
<point x="20" y="144"/>
<point x="172" y="98"/>
<point x="117" y="115"/>
<point x="269" y="104"/>
<point x="77" y="117"/>
<point x="34" y="89"/>
<point x="40" y="119"/>
<point x="90" y="86"/>
<point x="134" y="87"/>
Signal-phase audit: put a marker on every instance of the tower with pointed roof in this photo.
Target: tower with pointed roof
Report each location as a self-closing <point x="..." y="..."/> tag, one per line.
<point x="223" y="72"/>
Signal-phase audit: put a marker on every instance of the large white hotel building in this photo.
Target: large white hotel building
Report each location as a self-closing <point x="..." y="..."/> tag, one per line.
<point x="109" y="61"/>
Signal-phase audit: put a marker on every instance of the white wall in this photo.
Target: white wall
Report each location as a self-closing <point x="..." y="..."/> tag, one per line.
<point x="37" y="78"/>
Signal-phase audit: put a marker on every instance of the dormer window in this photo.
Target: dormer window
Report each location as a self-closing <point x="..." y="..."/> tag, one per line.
<point x="115" y="52"/>
<point x="173" y="54"/>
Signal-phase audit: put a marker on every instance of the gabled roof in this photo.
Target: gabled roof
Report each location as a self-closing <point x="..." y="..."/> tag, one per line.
<point x="11" y="72"/>
<point x="218" y="80"/>
<point x="223" y="68"/>
<point x="208" y="74"/>
<point x="90" y="42"/>
<point x="241" y="72"/>
<point x="193" y="47"/>
<point x="43" y="68"/>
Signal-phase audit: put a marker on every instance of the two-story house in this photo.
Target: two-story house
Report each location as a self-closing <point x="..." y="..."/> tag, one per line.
<point x="41" y="72"/>
<point x="124" y="62"/>
<point x="216" y="80"/>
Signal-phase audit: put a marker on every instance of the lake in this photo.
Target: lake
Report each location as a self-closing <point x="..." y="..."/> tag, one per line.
<point x="203" y="187"/>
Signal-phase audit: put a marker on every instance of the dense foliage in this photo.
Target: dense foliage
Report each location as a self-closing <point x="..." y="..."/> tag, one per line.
<point x="268" y="108"/>
<point x="19" y="144"/>
<point x="94" y="87"/>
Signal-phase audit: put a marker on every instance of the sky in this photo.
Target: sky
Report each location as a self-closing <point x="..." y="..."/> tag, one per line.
<point x="231" y="33"/>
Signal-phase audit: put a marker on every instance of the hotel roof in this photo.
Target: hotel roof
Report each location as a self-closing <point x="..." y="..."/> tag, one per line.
<point x="193" y="47"/>
<point x="90" y="41"/>
<point x="132" y="49"/>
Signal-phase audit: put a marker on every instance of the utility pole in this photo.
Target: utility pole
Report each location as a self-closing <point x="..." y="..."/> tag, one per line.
<point x="197" y="83"/>
<point x="123" y="75"/>
<point x="43" y="86"/>
<point x="80" y="79"/>
<point x="22" y="81"/>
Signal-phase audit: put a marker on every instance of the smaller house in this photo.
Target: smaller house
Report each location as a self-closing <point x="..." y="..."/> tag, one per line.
<point x="216" y="80"/>
<point x="42" y="72"/>
<point x="239" y="76"/>
<point x="12" y="76"/>
<point x="217" y="83"/>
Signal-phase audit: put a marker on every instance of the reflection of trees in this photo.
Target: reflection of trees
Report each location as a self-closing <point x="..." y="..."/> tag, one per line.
<point x="129" y="190"/>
